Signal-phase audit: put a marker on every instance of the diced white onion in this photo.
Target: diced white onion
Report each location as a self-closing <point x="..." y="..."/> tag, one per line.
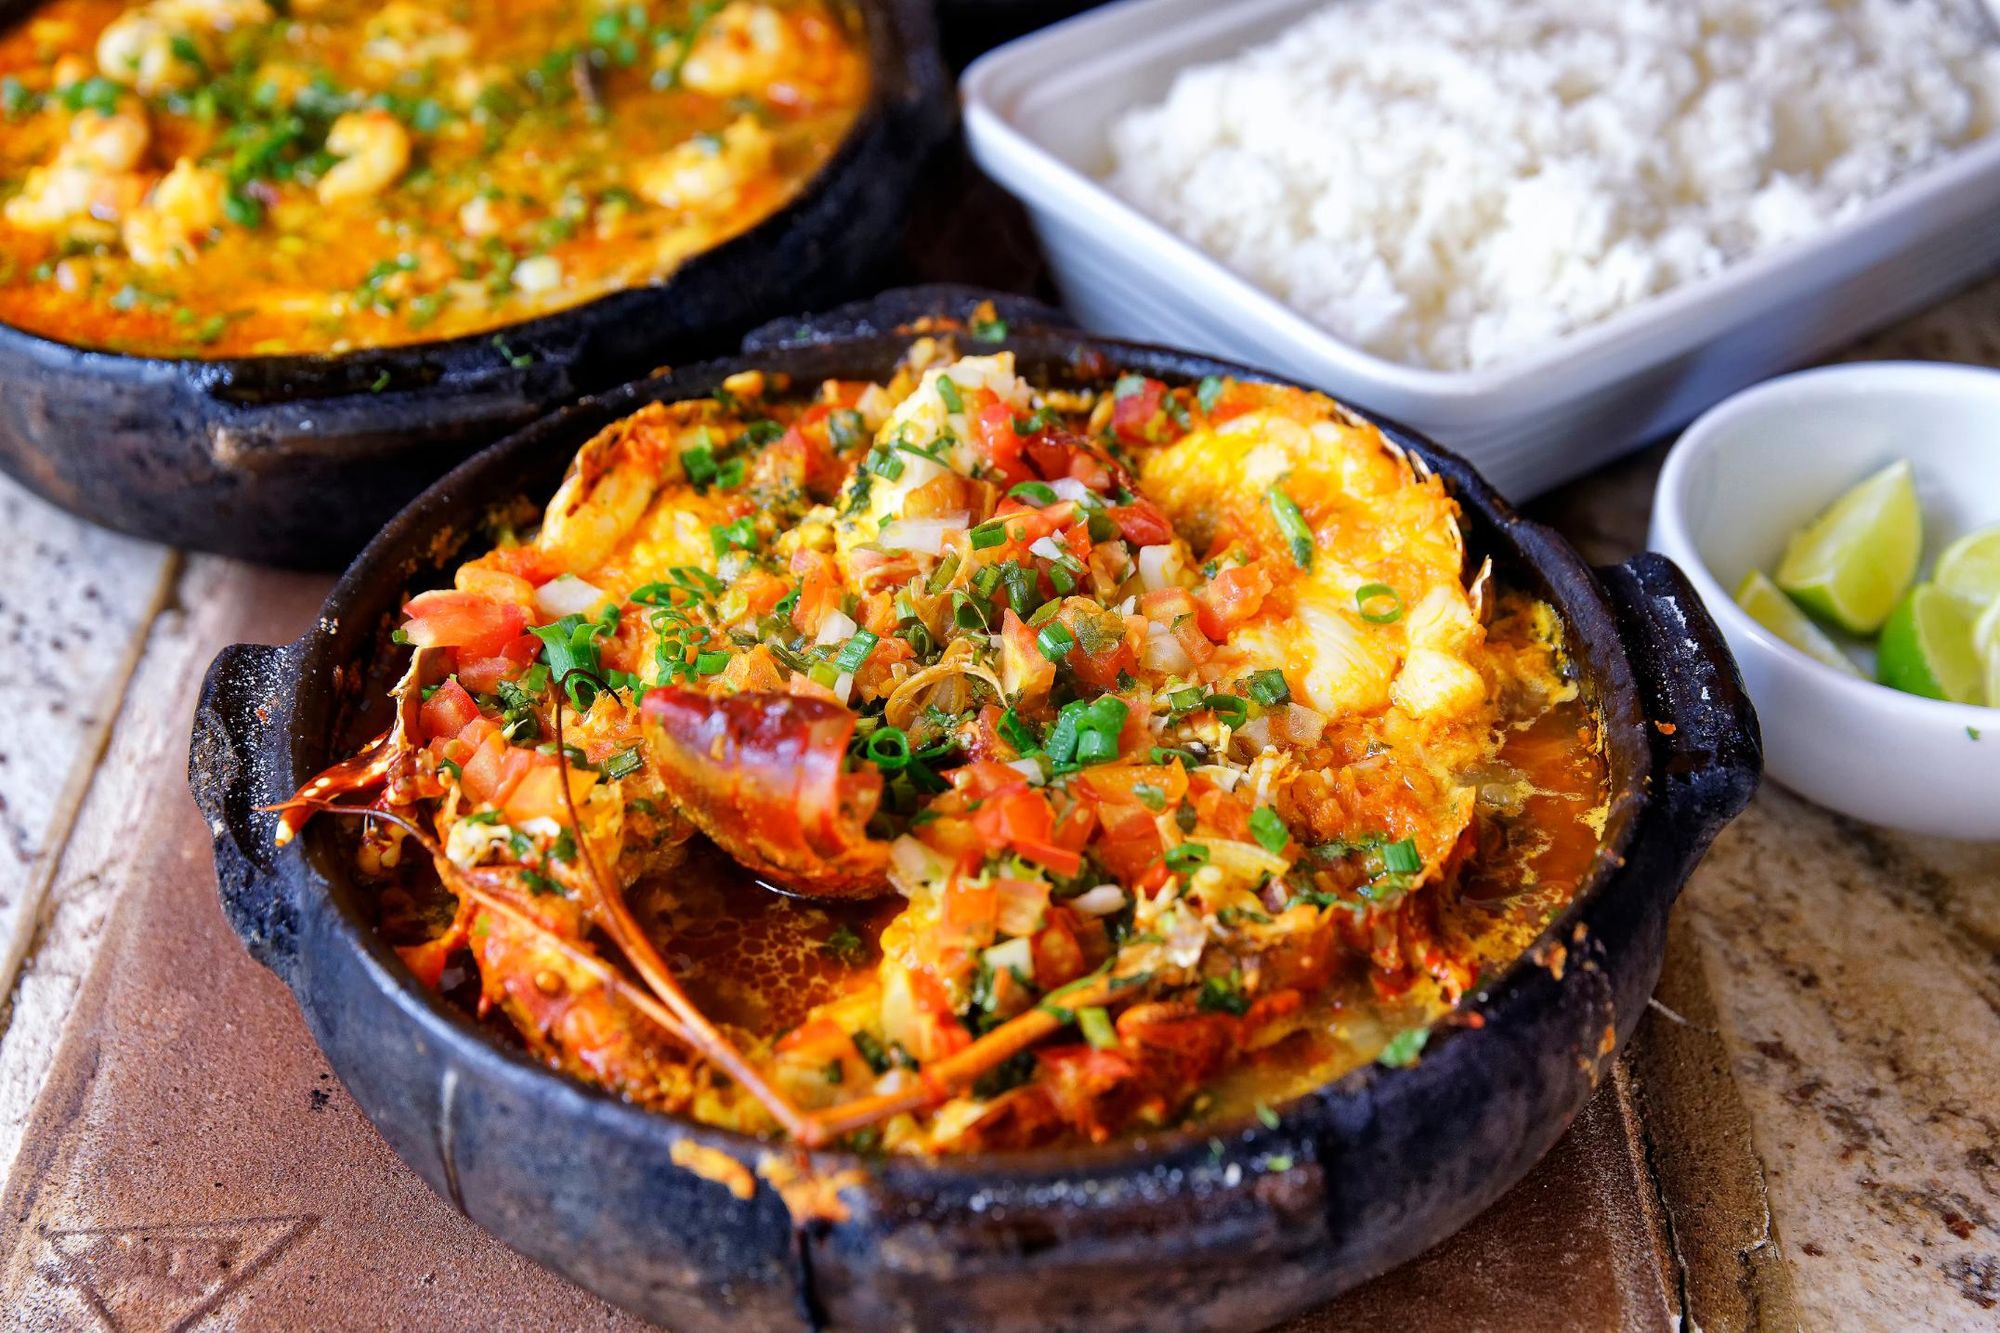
<point x="1015" y="954"/>
<point x="916" y="865"/>
<point x="1221" y="775"/>
<point x="1302" y="725"/>
<point x="1159" y="566"/>
<point x="1046" y="548"/>
<point x="1254" y="736"/>
<point x="1244" y="860"/>
<point x="1069" y="488"/>
<point x="567" y="596"/>
<point x="1031" y="769"/>
<point x="1102" y="900"/>
<point x="843" y="686"/>
<point x="1128" y="606"/>
<point x="836" y="626"/>
<point x="1163" y="651"/>
<point x="924" y="535"/>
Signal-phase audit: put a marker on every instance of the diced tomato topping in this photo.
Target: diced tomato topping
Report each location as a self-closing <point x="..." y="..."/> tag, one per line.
<point x="526" y="562"/>
<point x="493" y="770"/>
<point x="448" y="709"/>
<point x="1141" y="523"/>
<point x="446" y="618"/>
<point x="1135" y="411"/>
<point x="819" y="590"/>
<point x="1233" y="596"/>
<point x="1058" y="957"/>
<point x="484" y="674"/>
<point x="993" y="424"/>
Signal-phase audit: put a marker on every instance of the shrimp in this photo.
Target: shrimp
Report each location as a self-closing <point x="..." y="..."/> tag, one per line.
<point x="91" y="182"/>
<point x="148" y="48"/>
<point x="791" y="56"/>
<point x="374" y="150"/>
<point x="406" y="36"/>
<point x="710" y="172"/>
<point x="182" y="208"/>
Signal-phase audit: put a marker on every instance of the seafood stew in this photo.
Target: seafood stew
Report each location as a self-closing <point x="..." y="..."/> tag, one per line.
<point x="1129" y="756"/>
<point x="218" y="178"/>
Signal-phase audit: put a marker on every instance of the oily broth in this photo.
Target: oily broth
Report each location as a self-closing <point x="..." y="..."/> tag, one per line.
<point x="524" y="167"/>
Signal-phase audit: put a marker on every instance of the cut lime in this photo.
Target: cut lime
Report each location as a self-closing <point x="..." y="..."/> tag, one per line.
<point x="1927" y="648"/>
<point x="1986" y="641"/>
<point x="1986" y="633"/>
<point x="1778" y="614"/>
<point x="1969" y="569"/>
<point x="1852" y="563"/>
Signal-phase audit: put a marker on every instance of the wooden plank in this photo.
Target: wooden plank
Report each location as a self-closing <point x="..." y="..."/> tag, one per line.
<point x="75" y="605"/>
<point x="100" y="852"/>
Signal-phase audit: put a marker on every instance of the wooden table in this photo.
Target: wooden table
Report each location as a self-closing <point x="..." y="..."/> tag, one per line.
<point x="1806" y="1132"/>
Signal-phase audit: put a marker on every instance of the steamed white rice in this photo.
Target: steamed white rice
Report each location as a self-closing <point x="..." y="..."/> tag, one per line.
<point x="1452" y="183"/>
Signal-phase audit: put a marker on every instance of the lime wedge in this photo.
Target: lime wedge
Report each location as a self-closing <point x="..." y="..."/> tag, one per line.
<point x="1851" y="563"/>
<point x="1969" y="569"/>
<point x="1986" y="640"/>
<point x="1927" y="648"/>
<point x="1986" y="634"/>
<point x="1780" y="615"/>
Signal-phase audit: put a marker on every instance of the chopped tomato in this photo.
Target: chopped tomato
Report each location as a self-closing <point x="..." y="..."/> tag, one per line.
<point x="1058" y="957"/>
<point x="1130" y="841"/>
<point x="1025" y="673"/>
<point x="1233" y="596"/>
<point x="539" y="794"/>
<point x="450" y="619"/>
<point x="819" y="590"/>
<point x="1141" y="523"/>
<point x="1022" y="820"/>
<point x="493" y="770"/>
<point x="448" y="709"/>
<point x="1020" y="906"/>
<point x="484" y="674"/>
<point x="526" y="562"/>
<point x="1135" y="410"/>
<point x="993" y="425"/>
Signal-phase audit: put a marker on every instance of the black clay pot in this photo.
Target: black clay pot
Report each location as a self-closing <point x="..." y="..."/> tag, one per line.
<point x="297" y="460"/>
<point x="1219" y="1229"/>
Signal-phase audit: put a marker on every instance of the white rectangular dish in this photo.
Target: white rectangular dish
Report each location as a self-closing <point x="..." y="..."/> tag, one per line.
<point x="1036" y="114"/>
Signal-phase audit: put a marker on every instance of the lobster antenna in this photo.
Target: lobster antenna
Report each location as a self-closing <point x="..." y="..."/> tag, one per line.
<point x="639" y="951"/>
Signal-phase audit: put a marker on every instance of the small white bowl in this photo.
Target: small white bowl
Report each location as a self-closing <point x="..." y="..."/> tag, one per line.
<point x="1757" y="466"/>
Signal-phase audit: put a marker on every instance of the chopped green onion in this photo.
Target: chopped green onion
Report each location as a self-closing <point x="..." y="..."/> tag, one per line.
<point x="988" y="534"/>
<point x="1151" y="796"/>
<point x="987" y="581"/>
<point x="845" y="428"/>
<point x="699" y="464"/>
<point x="1055" y="641"/>
<point x="1062" y="738"/>
<point x="948" y="391"/>
<point x="968" y="612"/>
<point x="1231" y="709"/>
<point x="1020" y="581"/>
<point x="711" y="664"/>
<point x="823" y="673"/>
<point x="856" y="651"/>
<point x="1186" y="857"/>
<point x="1376" y="592"/>
<point x="1292" y="523"/>
<point x="940" y="578"/>
<point x="740" y="535"/>
<point x="1268" y="829"/>
<point x="1096" y="747"/>
<point x="989" y="330"/>
<point x="1101" y="526"/>
<point x="1062" y="577"/>
<point x="1401" y="858"/>
<point x="1268" y="688"/>
<point x="1095" y="1024"/>
<point x="623" y="764"/>
<point x="889" y="749"/>
<point x="1017" y="732"/>
<point x="1184" y="701"/>
<point x="451" y="767"/>
<point x="1403" y="1048"/>
<point x="1033" y="492"/>
<point x="1208" y="392"/>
